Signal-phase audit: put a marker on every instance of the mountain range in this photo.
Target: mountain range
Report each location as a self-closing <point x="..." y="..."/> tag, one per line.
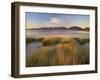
<point x="76" y="28"/>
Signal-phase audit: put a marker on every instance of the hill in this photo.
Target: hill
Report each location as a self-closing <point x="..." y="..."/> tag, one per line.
<point x="76" y="28"/>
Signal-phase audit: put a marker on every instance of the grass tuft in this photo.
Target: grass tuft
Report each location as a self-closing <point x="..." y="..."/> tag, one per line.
<point x="60" y="51"/>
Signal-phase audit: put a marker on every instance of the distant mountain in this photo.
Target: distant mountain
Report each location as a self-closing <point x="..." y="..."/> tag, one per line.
<point x="86" y="29"/>
<point x="76" y="28"/>
<point x="60" y="27"/>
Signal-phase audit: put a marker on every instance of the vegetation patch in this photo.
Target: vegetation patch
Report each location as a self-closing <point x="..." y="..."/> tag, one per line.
<point x="60" y="51"/>
<point x="51" y="41"/>
<point x="30" y="40"/>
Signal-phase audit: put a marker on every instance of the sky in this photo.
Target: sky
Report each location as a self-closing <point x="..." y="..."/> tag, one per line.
<point x="38" y="20"/>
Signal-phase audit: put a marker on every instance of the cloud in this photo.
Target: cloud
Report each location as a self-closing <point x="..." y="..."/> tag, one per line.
<point x="55" y="22"/>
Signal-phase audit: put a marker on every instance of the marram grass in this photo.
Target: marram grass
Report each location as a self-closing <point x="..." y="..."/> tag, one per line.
<point x="60" y="51"/>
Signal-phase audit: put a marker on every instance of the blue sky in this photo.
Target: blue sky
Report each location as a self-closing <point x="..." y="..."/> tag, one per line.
<point x="37" y="20"/>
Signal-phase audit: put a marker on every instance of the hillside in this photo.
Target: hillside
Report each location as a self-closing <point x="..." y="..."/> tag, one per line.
<point x="76" y="28"/>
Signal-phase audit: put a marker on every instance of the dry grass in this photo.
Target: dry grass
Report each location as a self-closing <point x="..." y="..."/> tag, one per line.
<point x="59" y="51"/>
<point x="30" y="40"/>
<point x="50" y="41"/>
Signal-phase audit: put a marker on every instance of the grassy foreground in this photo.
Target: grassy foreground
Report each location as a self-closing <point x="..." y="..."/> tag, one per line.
<point x="59" y="51"/>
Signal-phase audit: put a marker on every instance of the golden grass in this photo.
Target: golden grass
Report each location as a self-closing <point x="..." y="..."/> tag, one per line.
<point x="50" y="41"/>
<point x="59" y="51"/>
